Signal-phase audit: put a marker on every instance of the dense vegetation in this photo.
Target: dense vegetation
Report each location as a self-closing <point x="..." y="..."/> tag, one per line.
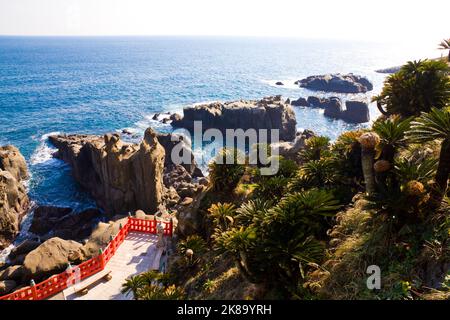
<point x="373" y="197"/>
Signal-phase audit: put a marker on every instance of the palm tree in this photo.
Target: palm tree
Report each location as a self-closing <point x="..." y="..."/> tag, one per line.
<point x="132" y="285"/>
<point x="432" y="126"/>
<point x="445" y="45"/>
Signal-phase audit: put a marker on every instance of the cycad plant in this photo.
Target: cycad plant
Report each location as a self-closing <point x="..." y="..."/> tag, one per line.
<point x="226" y="170"/>
<point x="416" y="88"/>
<point x="315" y="148"/>
<point x="445" y="45"/>
<point x="432" y="126"/>
<point x="222" y="215"/>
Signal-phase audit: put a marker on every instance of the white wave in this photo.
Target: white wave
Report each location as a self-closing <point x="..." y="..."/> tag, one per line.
<point x="44" y="152"/>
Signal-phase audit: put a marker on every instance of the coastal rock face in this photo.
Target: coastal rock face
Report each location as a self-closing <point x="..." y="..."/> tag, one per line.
<point x="63" y="222"/>
<point x="268" y="113"/>
<point x="121" y="177"/>
<point x="11" y="160"/>
<point x="183" y="150"/>
<point x="13" y="197"/>
<point x="51" y="257"/>
<point x="290" y="150"/>
<point x="348" y="83"/>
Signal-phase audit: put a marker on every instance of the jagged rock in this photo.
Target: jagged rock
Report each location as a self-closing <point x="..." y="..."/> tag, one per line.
<point x="14" y="201"/>
<point x="121" y="177"/>
<point x="267" y="113"/>
<point x="300" y="102"/>
<point x="11" y="160"/>
<point x="356" y="111"/>
<point x="344" y="83"/>
<point x="279" y="83"/>
<point x="333" y="108"/>
<point x="52" y="257"/>
<point x="155" y="116"/>
<point x="7" y="286"/>
<point x="188" y="220"/>
<point x="181" y="149"/>
<point x="63" y="223"/>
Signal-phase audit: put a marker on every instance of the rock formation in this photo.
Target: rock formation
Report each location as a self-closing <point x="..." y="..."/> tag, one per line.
<point x="121" y="177"/>
<point x="347" y="83"/>
<point x="13" y="197"/>
<point x="356" y="111"/>
<point x="169" y="142"/>
<point x="63" y="222"/>
<point x="268" y="113"/>
<point x="52" y="257"/>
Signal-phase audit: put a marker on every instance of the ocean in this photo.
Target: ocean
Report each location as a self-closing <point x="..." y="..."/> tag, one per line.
<point x="105" y="84"/>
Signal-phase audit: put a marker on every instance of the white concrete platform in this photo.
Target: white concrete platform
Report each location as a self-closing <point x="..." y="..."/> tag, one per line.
<point x="138" y="253"/>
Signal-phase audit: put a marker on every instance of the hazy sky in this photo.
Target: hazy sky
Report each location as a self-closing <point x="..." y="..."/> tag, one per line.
<point x="352" y="19"/>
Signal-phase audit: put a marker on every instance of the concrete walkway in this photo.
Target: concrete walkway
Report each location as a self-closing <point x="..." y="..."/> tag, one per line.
<point x="138" y="253"/>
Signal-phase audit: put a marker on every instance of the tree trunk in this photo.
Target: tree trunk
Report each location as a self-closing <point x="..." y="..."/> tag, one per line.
<point x="442" y="173"/>
<point x="367" y="167"/>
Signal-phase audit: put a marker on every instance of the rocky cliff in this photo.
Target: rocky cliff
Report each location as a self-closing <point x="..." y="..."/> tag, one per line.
<point x="120" y="176"/>
<point x="268" y="113"/>
<point x="13" y="197"/>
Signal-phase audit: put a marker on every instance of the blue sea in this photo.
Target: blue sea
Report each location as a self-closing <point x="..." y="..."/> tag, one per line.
<point x="105" y="84"/>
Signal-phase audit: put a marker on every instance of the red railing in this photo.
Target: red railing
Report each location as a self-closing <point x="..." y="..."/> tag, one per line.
<point x="59" y="282"/>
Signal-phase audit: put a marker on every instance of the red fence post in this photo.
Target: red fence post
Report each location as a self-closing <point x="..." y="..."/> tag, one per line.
<point x="33" y="289"/>
<point x="102" y="258"/>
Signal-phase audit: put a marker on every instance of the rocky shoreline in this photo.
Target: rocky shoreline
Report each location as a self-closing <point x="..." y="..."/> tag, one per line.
<point x="122" y="177"/>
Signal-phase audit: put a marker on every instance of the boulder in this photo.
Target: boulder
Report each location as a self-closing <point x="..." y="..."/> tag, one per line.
<point x="279" y="83"/>
<point x="267" y="113"/>
<point x="14" y="201"/>
<point x="333" y="109"/>
<point x="63" y="223"/>
<point x="343" y="83"/>
<point x="101" y="236"/>
<point x="300" y="102"/>
<point x="356" y="111"/>
<point x="52" y="257"/>
<point x="12" y="273"/>
<point x="23" y="248"/>
<point x="121" y="177"/>
<point x="7" y="286"/>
